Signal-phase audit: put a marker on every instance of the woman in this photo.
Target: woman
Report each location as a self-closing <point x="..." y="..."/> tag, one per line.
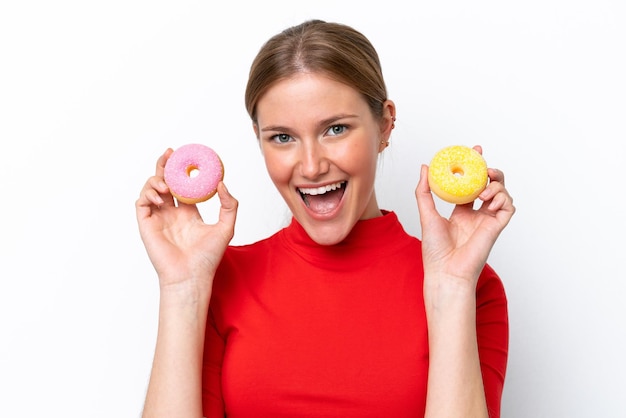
<point x="341" y="313"/>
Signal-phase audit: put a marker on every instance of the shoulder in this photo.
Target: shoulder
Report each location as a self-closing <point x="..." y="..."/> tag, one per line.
<point x="240" y="261"/>
<point x="490" y="288"/>
<point x="247" y="253"/>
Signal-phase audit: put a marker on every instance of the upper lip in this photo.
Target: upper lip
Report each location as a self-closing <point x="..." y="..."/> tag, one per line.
<point x="315" y="190"/>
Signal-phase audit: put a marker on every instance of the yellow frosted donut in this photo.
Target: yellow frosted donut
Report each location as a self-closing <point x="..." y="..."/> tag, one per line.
<point x="457" y="174"/>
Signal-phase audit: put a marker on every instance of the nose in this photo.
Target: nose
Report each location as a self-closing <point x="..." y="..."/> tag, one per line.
<point x="313" y="160"/>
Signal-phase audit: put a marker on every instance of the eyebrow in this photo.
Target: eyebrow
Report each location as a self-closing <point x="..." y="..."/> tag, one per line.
<point x="324" y="122"/>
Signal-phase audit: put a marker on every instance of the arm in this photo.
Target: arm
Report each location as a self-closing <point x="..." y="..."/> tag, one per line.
<point x="185" y="253"/>
<point x="174" y="389"/>
<point x="455" y="252"/>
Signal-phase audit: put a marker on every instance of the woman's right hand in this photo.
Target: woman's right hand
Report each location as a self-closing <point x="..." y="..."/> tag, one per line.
<point x="181" y="247"/>
<point x="185" y="253"/>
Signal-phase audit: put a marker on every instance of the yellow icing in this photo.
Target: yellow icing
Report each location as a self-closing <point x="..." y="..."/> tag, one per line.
<point x="457" y="174"/>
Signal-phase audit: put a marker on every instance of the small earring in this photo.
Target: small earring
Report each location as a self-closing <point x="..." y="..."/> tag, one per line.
<point x="385" y="143"/>
<point x="393" y="122"/>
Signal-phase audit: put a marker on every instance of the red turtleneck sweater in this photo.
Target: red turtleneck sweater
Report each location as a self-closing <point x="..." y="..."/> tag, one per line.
<point x="296" y="329"/>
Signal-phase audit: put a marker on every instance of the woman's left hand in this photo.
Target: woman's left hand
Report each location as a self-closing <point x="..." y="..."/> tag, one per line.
<point x="459" y="246"/>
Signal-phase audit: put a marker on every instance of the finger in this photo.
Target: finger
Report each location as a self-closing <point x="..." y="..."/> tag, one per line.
<point x="495" y="185"/>
<point x="147" y="201"/>
<point x="497" y="202"/>
<point x="501" y="200"/>
<point x="160" y="165"/>
<point x="157" y="183"/>
<point x="154" y="192"/>
<point x="228" y="208"/>
<point x="158" y="191"/>
<point x="502" y="208"/>
<point x="495" y="175"/>
<point x="142" y="207"/>
<point x="423" y="195"/>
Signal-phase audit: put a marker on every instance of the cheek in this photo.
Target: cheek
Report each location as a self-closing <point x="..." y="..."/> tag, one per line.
<point x="362" y="157"/>
<point x="276" y="168"/>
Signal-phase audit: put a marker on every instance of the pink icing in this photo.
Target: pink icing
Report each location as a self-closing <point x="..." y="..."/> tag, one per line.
<point x="198" y="159"/>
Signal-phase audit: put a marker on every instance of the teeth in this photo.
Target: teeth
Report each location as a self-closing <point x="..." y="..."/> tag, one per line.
<point x="320" y="190"/>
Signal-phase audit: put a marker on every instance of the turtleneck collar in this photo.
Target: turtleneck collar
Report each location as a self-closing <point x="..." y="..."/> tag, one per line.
<point x="375" y="237"/>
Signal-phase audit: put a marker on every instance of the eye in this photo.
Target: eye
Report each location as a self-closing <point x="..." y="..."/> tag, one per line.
<point x="336" y="130"/>
<point x="281" y="138"/>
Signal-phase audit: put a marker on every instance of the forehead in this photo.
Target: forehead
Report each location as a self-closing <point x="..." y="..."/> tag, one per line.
<point x="312" y="94"/>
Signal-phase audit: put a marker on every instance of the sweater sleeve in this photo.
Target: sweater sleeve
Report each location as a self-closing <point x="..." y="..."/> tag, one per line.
<point x="492" y="328"/>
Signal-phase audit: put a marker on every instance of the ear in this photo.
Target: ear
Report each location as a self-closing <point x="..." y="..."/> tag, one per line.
<point x="387" y="123"/>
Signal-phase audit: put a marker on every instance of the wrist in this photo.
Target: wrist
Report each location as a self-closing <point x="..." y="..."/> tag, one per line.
<point x="191" y="294"/>
<point x="449" y="294"/>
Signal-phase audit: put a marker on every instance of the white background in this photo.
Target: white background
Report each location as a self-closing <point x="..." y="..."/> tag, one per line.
<point x="92" y="92"/>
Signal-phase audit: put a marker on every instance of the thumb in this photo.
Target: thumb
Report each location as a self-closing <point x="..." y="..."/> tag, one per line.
<point x="228" y="208"/>
<point x="425" y="201"/>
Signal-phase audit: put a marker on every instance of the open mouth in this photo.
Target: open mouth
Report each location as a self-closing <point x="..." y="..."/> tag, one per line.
<point x="323" y="199"/>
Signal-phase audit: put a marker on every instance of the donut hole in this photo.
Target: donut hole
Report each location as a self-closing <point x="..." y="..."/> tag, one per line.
<point x="192" y="171"/>
<point x="458" y="171"/>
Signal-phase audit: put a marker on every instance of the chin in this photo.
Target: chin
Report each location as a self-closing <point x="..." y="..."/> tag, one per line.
<point x="327" y="234"/>
<point x="327" y="241"/>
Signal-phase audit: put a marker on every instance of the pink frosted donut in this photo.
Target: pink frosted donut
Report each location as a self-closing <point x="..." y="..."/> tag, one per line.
<point x="193" y="172"/>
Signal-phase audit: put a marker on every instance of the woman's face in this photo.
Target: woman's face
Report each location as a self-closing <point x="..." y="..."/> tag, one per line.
<point x="321" y="142"/>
